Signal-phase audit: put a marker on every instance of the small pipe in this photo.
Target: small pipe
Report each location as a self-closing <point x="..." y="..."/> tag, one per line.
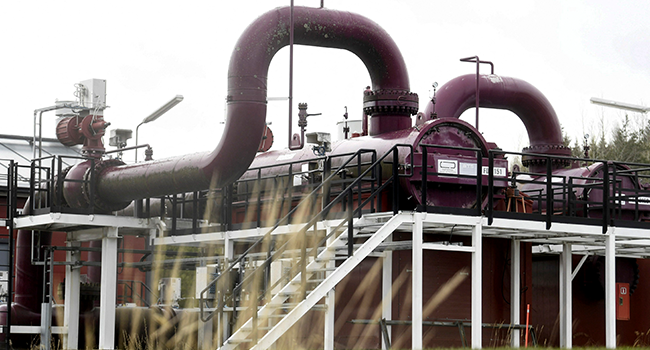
<point x="302" y="134"/>
<point x="128" y="148"/>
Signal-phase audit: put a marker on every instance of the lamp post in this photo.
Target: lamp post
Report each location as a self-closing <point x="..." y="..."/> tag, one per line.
<point x="155" y="115"/>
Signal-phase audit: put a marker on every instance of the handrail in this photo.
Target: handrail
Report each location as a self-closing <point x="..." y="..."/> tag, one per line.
<point x="351" y="212"/>
<point x="268" y="233"/>
<point x="322" y="213"/>
<point x="129" y="284"/>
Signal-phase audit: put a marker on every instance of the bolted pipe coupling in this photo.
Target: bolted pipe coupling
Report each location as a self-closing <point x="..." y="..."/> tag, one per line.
<point x="80" y="186"/>
<point x="390" y="102"/>
<point x="533" y="156"/>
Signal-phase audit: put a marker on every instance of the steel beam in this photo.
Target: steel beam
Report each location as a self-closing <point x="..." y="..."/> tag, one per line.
<point x="330" y="301"/>
<point x="417" y="281"/>
<point x="387" y="290"/>
<point x="566" y="297"/>
<point x="72" y="296"/>
<point x="477" y="288"/>
<point x="515" y="292"/>
<point x="610" y="289"/>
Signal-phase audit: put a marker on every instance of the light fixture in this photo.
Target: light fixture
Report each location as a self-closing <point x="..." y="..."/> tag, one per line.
<point x="155" y="115"/>
<point x="620" y="105"/>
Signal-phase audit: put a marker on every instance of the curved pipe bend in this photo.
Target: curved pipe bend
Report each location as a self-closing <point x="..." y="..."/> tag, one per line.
<point x="518" y="96"/>
<point x="246" y="110"/>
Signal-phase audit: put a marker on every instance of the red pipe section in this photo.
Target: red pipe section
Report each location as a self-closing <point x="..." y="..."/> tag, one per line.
<point x="515" y="95"/>
<point x="390" y="104"/>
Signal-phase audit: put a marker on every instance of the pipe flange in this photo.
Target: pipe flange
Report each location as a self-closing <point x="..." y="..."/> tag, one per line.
<point x="551" y="150"/>
<point x="100" y="204"/>
<point x="390" y="102"/>
<point x="58" y="199"/>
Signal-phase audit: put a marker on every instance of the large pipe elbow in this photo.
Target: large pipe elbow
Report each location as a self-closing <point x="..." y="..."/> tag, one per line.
<point x="390" y="103"/>
<point x="518" y="96"/>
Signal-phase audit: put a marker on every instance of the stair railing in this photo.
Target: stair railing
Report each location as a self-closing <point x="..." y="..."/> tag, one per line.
<point x="347" y="193"/>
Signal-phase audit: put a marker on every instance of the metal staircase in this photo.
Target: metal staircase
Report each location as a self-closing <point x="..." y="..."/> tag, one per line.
<point x="320" y="264"/>
<point x="267" y="316"/>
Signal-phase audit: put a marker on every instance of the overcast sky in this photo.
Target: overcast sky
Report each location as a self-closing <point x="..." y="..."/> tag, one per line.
<point x="150" y="51"/>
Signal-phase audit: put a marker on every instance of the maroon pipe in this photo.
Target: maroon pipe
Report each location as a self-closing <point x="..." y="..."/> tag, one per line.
<point x="246" y="114"/>
<point x="515" y="95"/>
<point x="29" y="278"/>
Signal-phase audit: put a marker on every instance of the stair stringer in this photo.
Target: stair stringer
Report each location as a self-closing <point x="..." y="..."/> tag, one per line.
<point x="280" y="297"/>
<point x="332" y="280"/>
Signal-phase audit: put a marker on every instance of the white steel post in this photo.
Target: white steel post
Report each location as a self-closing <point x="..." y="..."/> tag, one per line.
<point x="387" y="290"/>
<point x="72" y="295"/>
<point x="204" y="331"/>
<point x="477" y="278"/>
<point x="416" y="280"/>
<point x="330" y="315"/>
<point x="566" y="297"/>
<point x="108" y="289"/>
<point x="228" y="253"/>
<point x="515" y="292"/>
<point x="610" y="289"/>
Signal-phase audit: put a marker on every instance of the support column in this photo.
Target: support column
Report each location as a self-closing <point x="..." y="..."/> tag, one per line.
<point x="477" y="279"/>
<point x="610" y="289"/>
<point x="387" y="290"/>
<point x="515" y="290"/>
<point x="72" y="296"/>
<point x="108" y="289"/>
<point x="566" y="297"/>
<point x="330" y="315"/>
<point x="204" y="331"/>
<point x="416" y="281"/>
<point x="228" y="253"/>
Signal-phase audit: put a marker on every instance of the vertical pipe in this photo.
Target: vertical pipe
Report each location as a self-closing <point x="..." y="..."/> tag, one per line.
<point x="291" y="75"/>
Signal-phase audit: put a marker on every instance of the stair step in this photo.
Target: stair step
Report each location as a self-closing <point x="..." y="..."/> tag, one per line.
<point x="339" y="257"/>
<point x="322" y="269"/>
<point x="313" y="280"/>
<point x="292" y="305"/>
<point x="358" y="235"/>
<point x="289" y="294"/>
<point x="239" y="341"/>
